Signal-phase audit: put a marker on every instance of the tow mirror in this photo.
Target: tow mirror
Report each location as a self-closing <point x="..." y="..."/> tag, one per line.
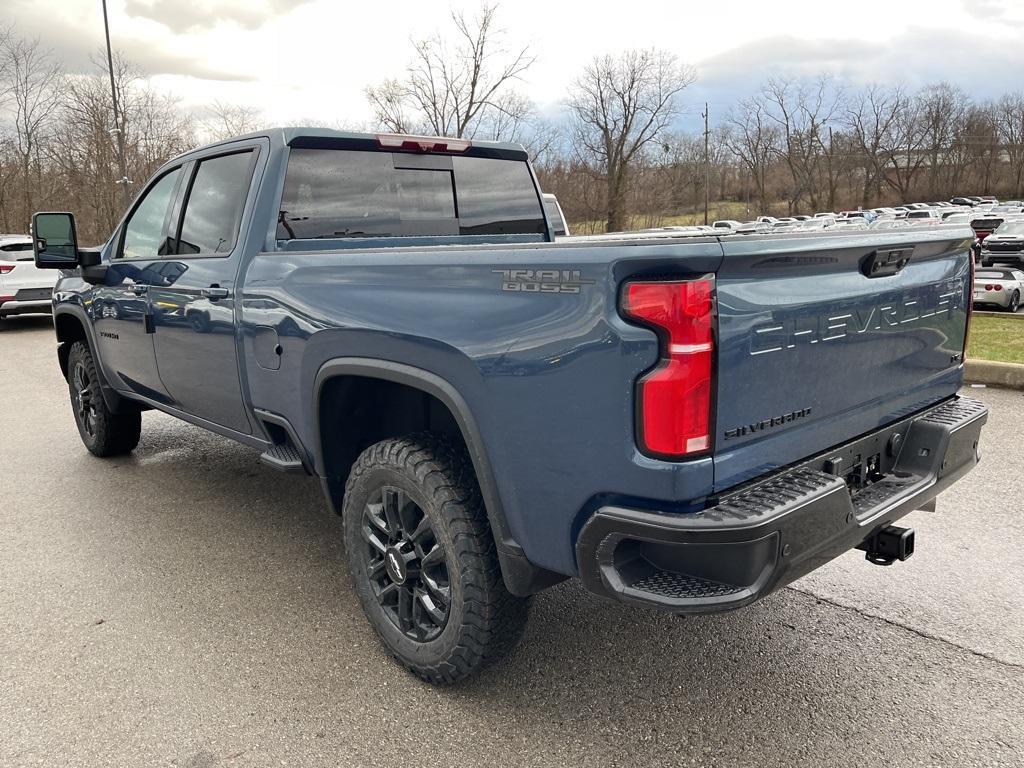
<point x="54" y="241"/>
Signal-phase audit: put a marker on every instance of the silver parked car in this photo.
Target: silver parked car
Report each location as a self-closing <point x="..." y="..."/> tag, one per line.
<point x="1005" y="244"/>
<point x="999" y="287"/>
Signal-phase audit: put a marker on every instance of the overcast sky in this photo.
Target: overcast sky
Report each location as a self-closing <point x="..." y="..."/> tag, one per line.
<point x="312" y="59"/>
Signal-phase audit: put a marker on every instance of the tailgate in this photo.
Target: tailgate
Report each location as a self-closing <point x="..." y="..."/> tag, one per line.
<point x="814" y="352"/>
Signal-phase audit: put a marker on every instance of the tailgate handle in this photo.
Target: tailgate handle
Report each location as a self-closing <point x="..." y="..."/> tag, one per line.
<point x="883" y="263"/>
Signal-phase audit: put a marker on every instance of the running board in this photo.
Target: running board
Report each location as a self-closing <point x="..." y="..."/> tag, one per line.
<point x="282" y="453"/>
<point x="283" y="458"/>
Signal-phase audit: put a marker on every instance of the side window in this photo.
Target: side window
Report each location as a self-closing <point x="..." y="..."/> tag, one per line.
<point x="214" y="205"/>
<point x="144" y="232"/>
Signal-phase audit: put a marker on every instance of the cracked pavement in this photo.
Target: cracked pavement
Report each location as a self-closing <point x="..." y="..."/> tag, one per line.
<point x="186" y="606"/>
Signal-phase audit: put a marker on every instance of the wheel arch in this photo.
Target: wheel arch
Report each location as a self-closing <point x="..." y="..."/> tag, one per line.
<point x="71" y="324"/>
<point x="521" y="577"/>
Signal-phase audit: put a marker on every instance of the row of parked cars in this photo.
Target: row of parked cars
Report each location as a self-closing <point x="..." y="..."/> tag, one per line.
<point x="998" y="228"/>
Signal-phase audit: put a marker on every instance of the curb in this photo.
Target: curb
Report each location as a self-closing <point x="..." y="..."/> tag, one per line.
<point x="1018" y="315"/>
<point x="1009" y="375"/>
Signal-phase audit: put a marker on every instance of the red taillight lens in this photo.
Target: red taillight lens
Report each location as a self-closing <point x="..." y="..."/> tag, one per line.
<point x="5" y="268"/>
<point x="997" y="287"/>
<point x="988" y="287"/>
<point x="674" y="399"/>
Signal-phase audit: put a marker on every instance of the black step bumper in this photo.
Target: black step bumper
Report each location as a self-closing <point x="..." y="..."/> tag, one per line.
<point x="774" y="530"/>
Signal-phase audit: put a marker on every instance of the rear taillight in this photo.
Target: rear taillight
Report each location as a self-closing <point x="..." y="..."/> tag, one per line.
<point x="674" y="399"/>
<point x="5" y="268"/>
<point x="997" y="287"/>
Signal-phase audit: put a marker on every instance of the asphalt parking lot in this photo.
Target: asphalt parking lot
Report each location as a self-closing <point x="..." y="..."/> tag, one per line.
<point x="186" y="606"/>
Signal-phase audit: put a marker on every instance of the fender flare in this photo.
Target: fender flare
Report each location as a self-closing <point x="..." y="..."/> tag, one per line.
<point x="114" y="401"/>
<point x="521" y="577"/>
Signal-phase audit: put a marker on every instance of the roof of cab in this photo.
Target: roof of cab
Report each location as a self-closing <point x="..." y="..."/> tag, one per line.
<point x="290" y="135"/>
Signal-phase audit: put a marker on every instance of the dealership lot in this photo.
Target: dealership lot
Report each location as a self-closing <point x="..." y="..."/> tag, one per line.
<point x="187" y="606"/>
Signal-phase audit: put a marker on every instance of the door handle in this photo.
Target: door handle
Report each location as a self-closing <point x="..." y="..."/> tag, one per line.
<point x="215" y="292"/>
<point x="140" y="290"/>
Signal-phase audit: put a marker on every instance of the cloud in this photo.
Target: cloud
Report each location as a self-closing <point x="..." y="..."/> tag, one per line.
<point x="983" y="67"/>
<point x="199" y="15"/>
<point x="77" y="48"/>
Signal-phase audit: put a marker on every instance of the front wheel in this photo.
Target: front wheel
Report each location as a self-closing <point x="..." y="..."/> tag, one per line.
<point x="422" y="559"/>
<point x="104" y="432"/>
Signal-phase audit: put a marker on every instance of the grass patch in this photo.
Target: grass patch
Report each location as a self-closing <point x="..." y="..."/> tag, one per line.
<point x="996" y="338"/>
<point x="718" y="209"/>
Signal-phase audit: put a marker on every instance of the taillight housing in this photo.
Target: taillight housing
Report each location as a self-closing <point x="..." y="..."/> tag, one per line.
<point x="970" y="303"/>
<point x="674" y="399"/>
<point x="5" y="268"/>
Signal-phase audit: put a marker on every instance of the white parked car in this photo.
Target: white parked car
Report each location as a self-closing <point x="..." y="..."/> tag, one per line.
<point x="727" y="224"/>
<point x="23" y="288"/>
<point x="999" y="287"/>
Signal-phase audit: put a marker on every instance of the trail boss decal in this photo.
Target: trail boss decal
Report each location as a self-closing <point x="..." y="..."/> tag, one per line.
<point x="541" y="280"/>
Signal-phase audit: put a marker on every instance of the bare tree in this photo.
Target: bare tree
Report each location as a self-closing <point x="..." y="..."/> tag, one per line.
<point x="804" y="112"/>
<point x="455" y="88"/>
<point x="903" y="148"/>
<point x="870" y="121"/>
<point x="1009" y="122"/>
<point x="227" y="120"/>
<point x="941" y="110"/>
<point x="754" y="138"/>
<point x="33" y="75"/>
<point x="83" y="156"/>
<point x="619" y="105"/>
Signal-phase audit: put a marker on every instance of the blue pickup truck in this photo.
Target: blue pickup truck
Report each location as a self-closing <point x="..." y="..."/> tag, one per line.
<point x="683" y="422"/>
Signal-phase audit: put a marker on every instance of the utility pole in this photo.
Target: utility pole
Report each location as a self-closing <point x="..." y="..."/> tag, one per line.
<point x="118" y="122"/>
<point x="707" y="163"/>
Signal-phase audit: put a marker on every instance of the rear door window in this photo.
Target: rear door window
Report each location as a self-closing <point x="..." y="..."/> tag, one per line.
<point x="214" y="205"/>
<point x="333" y="193"/>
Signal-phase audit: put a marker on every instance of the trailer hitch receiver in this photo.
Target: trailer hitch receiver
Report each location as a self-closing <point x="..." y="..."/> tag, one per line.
<point x="887" y="545"/>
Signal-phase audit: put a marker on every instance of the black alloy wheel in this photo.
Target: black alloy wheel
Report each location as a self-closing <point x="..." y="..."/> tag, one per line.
<point x="82" y="394"/>
<point x="405" y="564"/>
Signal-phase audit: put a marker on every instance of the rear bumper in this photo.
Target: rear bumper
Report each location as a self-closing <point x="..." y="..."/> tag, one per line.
<point x="16" y="307"/>
<point x="1011" y="257"/>
<point x="768" y="533"/>
<point x="993" y="300"/>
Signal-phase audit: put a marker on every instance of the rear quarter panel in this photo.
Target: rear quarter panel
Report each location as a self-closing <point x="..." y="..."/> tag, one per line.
<point x="548" y="377"/>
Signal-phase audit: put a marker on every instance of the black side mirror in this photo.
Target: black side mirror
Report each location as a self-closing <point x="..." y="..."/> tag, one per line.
<point x="54" y="241"/>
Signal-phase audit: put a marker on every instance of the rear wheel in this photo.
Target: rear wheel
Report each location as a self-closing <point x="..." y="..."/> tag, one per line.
<point x="422" y="559"/>
<point x="1014" y="302"/>
<point x="104" y="432"/>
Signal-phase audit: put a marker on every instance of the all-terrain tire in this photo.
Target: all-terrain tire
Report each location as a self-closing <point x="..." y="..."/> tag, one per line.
<point x="427" y="480"/>
<point x="104" y="433"/>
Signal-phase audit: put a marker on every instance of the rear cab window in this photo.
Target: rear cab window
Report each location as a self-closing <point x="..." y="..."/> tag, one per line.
<point x="342" y="193"/>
